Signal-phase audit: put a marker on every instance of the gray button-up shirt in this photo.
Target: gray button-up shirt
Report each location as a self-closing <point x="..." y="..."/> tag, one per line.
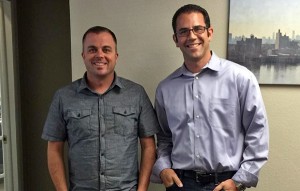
<point x="102" y="133"/>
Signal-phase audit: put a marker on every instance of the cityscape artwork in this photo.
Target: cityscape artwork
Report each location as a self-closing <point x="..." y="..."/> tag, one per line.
<point x="264" y="36"/>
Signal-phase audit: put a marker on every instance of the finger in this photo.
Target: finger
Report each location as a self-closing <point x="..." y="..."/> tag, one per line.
<point x="167" y="177"/>
<point x="177" y="181"/>
<point x="218" y="188"/>
<point x="168" y="183"/>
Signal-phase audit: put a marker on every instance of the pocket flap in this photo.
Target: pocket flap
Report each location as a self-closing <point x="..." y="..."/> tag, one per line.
<point x="79" y="113"/>
<point x="125" y="111"/>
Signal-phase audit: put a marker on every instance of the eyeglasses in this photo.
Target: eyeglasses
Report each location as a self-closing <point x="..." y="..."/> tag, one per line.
<point x="184" y="32"/>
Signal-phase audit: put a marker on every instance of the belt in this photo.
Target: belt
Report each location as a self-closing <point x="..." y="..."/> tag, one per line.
<point x="203" y="177"/>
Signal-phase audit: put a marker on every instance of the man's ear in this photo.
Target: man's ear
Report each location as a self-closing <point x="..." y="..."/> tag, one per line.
<point x="210" y="32"/>
<point x="175" y="39"/>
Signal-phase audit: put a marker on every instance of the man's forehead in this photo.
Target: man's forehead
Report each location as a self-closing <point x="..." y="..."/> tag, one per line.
<point x="99" y="36"/>
<point x="185" y="18"/>
<point x="93" y="39"/>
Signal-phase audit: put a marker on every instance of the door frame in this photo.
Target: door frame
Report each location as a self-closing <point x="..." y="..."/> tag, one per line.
<point x="11" y="146"/>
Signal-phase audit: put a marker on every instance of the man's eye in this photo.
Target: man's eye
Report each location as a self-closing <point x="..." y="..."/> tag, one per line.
<point x="198" y="29"/>
<point x="106" y="50"/>
<point x="92" y="50"/>
<point x="183" y="31"/>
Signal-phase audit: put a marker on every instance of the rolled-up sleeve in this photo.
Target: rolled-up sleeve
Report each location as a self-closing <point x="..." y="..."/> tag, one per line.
<point x="54" y="128"/>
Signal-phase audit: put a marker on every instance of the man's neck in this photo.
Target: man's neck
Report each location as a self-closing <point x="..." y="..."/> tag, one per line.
<point x="100" y="85"/>
<point x="195" y="66"/>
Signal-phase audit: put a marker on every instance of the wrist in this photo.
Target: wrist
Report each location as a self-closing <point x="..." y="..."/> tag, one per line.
<point x="239" y="186"/>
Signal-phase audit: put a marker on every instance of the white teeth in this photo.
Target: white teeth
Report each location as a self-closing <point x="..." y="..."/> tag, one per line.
<point x="193" y="45"/>
<point x="98" y="63"/>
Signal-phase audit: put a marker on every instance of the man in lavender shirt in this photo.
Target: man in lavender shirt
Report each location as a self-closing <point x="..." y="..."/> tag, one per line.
<point x="214" y="129"/>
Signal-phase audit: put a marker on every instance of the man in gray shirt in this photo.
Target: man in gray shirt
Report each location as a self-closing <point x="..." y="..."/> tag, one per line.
<point x="102" y="117"/>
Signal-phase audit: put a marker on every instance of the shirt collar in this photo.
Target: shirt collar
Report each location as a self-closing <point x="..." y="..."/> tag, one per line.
<point x="117" y="82"/>
<point x="213" y="64"/>
<point x="83" y="84"/>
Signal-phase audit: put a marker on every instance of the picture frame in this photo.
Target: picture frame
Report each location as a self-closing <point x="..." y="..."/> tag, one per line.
<point x="264" y="36"/>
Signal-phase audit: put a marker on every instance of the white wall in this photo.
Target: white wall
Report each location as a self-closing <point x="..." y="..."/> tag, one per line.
<point x="148" y="54"/>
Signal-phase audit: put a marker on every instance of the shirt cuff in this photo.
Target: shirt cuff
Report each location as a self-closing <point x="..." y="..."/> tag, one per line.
<point x="245" y="178"/>
<point x="160" y="164"/>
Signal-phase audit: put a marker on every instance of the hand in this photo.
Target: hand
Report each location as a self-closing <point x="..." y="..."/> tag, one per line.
<point x="169" y="177"/>
<point x="227" y="185"/>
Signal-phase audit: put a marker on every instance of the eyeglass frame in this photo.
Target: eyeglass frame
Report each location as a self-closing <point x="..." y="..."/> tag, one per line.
<point x="188" y="31"/>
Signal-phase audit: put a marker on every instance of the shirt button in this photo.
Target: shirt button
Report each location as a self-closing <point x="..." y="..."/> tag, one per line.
<point x="197" y="136"/>
<point x="197" y="116"/>
<point x="198" y="156"/>
<point x="196" y="78"/>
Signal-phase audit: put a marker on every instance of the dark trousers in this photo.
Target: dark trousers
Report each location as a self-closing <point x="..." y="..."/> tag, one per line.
<point x="194" y="181"/>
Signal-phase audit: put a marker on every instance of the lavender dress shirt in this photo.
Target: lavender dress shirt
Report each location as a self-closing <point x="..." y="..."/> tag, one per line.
<point x="214" y="121"/>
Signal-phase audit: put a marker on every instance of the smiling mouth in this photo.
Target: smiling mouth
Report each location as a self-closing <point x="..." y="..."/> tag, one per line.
<point x="193" y="45"/>
<point x="99" y="63"/>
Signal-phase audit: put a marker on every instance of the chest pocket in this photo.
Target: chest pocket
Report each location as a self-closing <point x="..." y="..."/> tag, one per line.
<point x="125" y="119"/>
<point x="221" y="113"/>
<point x="78" y="122"/>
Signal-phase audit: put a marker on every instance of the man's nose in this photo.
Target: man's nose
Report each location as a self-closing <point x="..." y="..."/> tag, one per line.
<point x="192" y="34"/>
<point x="99" y="53"/>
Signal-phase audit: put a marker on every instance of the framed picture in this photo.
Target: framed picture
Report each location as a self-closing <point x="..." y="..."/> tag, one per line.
<point x="264" y="36"/>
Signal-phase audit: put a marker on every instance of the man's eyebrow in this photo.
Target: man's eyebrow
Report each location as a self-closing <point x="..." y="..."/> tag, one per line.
<point x="107" y="46"/>
<point x="91" y="46"/>
<point x="183" y="28"/>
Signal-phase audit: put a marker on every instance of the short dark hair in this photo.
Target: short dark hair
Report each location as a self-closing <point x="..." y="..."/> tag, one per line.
<point x="97" y="30"/>
<point x="190" y="8"/>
